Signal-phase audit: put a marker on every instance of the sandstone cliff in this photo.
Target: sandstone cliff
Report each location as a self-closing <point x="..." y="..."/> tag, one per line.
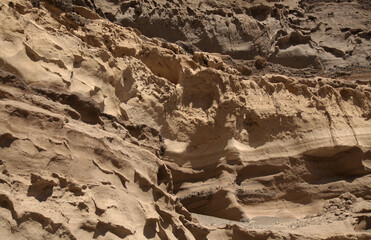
<point x="179" y="130"/>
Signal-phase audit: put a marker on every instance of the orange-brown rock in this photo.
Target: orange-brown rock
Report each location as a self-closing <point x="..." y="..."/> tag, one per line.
<point x="106" y="133"/>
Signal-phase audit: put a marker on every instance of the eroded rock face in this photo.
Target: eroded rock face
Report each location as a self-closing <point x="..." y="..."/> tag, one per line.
<point x="106" y="133"/>
<point x="298" y="34"/>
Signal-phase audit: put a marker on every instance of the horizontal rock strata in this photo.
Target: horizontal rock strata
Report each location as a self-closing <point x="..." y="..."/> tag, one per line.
<point x="109" y="132"/>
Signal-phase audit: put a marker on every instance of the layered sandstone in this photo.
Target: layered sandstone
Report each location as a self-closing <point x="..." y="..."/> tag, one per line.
<point x="107" y="133"/>
<point x="295" y="33"/>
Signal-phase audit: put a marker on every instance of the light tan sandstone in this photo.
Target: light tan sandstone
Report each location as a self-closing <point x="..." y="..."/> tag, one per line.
<point x="108" y="134"/>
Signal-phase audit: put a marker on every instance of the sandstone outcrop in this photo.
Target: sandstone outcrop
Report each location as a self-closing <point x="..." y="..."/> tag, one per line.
<point x="294" y="33"/>
<point x="107" y="133"/>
